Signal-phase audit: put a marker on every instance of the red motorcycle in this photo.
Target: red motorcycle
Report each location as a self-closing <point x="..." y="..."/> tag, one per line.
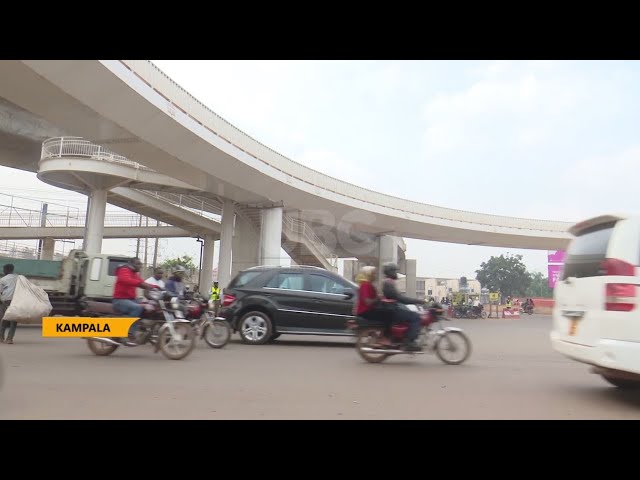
<point x="162" y="325"/>
<point x="450" y="344"/>
<point x="216" y="332"/>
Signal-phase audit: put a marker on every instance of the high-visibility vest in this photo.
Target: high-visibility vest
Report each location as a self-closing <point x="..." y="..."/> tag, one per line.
<point x="215" y="293"/>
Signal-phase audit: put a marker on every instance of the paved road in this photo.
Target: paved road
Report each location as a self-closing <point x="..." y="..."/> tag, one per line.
<point x="512" y="374"/>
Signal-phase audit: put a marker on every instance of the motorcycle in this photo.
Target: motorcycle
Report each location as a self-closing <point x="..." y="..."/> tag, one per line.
<point x="164" y="328"/>
<point x="528" y="309"/>
<point x="216" y="332"/>
<point x="433" y="337"/>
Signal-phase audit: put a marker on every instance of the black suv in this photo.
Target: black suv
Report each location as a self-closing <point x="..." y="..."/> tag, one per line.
<point x="264" y="302"/>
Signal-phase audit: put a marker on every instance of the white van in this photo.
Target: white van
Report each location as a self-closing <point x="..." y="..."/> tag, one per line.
<point x="596" y="316"/>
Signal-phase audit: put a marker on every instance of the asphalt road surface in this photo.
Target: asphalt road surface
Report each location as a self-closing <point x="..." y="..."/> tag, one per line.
<point x="511" y="374"/>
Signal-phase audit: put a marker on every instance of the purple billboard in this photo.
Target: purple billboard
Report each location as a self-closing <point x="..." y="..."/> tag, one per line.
<point x="556" y="256"/>
<point x="554" y="273"/>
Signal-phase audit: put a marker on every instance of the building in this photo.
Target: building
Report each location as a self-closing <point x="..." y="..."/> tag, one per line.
<point x="439" y="287"/>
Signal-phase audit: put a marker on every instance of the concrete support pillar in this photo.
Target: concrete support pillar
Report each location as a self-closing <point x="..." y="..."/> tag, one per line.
<point x="206" y="277"/>
<point x="246" y="246"/>
<point x="350" y="269"/>
<point x="226" y="241"/>
<point x="94" y="229"/>
<point x="410" y="272"/>
<point x="387" y="252"/>
<point x="271" y="236"/>
<point x="48" y="249"/>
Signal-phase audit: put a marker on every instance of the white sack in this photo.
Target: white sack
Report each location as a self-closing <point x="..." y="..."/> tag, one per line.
<point x="29" y="304"/>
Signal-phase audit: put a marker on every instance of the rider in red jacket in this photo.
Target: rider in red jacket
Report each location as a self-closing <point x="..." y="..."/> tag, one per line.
<point x="124" y="292"/>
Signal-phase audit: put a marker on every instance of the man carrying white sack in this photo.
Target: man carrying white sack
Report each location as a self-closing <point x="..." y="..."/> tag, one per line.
<point x="7" y="288"/>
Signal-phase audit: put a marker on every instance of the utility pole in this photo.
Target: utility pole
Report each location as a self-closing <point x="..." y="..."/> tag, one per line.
<point x="138" y="241"/>
<point x="146" y="250"/>
<point x="155" y="249"/>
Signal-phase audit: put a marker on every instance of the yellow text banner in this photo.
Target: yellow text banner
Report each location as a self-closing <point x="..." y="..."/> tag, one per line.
<point x="86" y="326"/>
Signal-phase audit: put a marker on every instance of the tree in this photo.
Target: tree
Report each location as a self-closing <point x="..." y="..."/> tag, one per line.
<point x="507" y="275"/>
<point x="186" y="261"/>
<point x="539" y="286"/>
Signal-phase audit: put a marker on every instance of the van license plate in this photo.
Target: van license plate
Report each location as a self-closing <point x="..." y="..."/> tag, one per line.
<point x="573" y="326"/>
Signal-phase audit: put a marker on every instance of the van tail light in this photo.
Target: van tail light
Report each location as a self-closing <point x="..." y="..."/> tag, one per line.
<point x="620" y="297"/>
<point x="227" y="300"/>
<point x="613" y="266"/>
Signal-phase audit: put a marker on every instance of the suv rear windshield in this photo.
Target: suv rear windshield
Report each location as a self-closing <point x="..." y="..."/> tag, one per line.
<point x="587" y="251"/>
<point x="243" y="278"/>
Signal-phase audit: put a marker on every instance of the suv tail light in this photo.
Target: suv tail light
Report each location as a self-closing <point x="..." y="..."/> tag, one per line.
<point x="227" y="300"/>
<point x="620" y="297"/>
<point x="613" y="266"/>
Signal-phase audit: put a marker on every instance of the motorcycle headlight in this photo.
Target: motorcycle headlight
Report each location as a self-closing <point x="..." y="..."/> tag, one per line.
<point x="175" y="305"/>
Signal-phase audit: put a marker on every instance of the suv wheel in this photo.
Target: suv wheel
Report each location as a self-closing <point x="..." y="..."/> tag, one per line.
<point x="255" y="328"/>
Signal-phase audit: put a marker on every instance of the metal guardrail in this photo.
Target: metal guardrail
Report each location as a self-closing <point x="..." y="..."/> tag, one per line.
<point x="21" y="217"/>
<point x="15" y="250"/>
<point x="77" y="147"/>
<point x="179" y="99"/>
<point x="302" y="228"/>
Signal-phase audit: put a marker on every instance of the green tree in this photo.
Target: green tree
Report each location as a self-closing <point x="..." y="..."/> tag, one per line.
<point x="507" y="275"/>
<point x="186" y="261"/>
<point x="539" y="286"/>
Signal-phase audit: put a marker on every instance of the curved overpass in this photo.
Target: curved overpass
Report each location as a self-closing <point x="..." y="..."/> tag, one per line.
<point x="139" y="112"/>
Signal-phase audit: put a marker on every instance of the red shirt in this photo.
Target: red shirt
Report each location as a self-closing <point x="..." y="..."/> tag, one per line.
<point x="126" y="283"/>
<point x="367" y="290"/>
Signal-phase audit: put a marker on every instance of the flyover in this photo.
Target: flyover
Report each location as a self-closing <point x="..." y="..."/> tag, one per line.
<point x="137" y="111"/>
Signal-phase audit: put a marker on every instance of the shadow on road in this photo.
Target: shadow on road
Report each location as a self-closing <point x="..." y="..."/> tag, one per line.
<point x="612" y="394"/>
<point x="299" y="343"/>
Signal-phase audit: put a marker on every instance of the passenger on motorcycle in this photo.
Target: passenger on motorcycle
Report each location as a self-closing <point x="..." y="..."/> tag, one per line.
<point x="400" y="312"/>
<point x="368" y="304"/>
<point x="124" y="292"/>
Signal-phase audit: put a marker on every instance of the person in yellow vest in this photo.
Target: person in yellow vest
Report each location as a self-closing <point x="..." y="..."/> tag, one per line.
<point x="215" y="298"/>
<point x="509" y="303"/>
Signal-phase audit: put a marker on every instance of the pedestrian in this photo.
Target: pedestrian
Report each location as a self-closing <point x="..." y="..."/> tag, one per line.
<point x="7" y="287"/>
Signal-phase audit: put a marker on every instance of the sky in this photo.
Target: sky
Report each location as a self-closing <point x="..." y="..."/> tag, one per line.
<point x="552" y="140"/>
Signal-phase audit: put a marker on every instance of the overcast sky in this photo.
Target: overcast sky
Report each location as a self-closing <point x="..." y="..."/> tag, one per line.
<point x="537" y="139"/>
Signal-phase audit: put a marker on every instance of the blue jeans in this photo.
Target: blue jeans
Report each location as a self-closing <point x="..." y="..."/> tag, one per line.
<point x="128" y="308"/>
<point x="403" y="314"/>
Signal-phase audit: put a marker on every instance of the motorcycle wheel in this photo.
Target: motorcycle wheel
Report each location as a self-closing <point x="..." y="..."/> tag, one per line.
<point x="530" y="312"/>
<point x="101" y="349"/>
<point x="453" y="342"/>
<point x="177" y="349"/>
<point x="366" y="338"/>
<point x="217" y="333"/>
<point x="484" y="315"/>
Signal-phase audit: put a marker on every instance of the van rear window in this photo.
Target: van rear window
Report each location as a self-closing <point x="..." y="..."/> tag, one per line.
<point x="587" y="252"/>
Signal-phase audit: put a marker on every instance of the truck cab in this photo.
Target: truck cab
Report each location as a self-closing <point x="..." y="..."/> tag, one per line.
<point x="99" y="274"/>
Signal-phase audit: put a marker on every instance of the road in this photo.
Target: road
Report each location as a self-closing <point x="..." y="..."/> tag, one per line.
<point x="512" y="374"/>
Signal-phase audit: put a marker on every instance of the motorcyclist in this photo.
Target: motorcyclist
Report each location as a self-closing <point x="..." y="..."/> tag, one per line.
<point x="400" y="312"/>
<point x="124" y="293"/>
<point x="175" y="284"/>
<point x="368" y="306"/>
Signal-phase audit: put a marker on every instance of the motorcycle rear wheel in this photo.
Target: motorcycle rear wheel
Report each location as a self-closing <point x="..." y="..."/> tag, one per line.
<point x="365" y="339"/>
<point x="101" y="349"/>
<point x="217" y="333"/>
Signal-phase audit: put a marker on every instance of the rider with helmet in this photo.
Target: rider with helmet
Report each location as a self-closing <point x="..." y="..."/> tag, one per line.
<point x="124" y="293"/>
<point x="175" y="284"/>
<point x="400" y="312"/>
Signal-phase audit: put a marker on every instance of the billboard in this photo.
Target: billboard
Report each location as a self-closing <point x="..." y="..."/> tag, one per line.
<point x="556" y="256"/>
<point x="554" y="274"/>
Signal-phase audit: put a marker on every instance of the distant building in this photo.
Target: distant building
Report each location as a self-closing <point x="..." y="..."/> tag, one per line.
<point x="439" y="287"/>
